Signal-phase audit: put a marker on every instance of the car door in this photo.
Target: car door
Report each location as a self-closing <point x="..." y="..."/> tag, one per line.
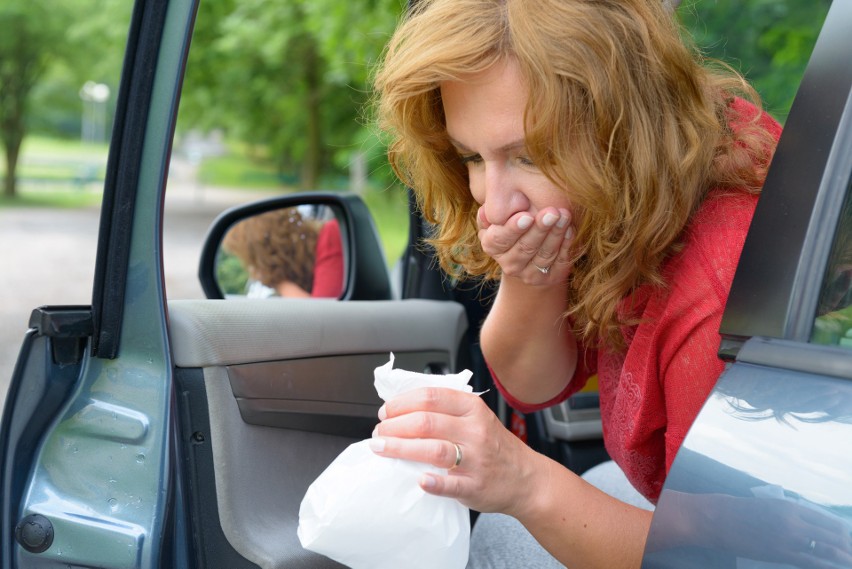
<point x="144" y="432"/>
<point x="87" y="434"/>
<point x="764" y="477"/>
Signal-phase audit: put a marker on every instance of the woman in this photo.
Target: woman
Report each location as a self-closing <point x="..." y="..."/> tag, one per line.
<point x="580" y="153"/>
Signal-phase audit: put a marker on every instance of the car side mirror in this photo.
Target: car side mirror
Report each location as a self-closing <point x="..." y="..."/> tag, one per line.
<point x="310" y="245"/>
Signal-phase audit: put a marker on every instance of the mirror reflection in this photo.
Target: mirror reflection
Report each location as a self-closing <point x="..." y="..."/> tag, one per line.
<point x="294" y="252"/>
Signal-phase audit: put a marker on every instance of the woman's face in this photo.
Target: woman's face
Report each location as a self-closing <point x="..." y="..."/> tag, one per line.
<point x="485" y="122"/>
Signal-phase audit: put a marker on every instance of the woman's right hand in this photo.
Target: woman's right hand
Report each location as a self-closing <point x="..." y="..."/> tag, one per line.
<point x="525" y="332"/>
<point x="533" y="248"/>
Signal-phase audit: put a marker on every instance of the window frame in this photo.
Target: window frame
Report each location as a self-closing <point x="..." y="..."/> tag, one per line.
<point x="779" y="277"/>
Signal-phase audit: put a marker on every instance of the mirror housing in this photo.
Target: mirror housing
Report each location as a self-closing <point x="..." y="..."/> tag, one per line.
<point x="365" y="270"/>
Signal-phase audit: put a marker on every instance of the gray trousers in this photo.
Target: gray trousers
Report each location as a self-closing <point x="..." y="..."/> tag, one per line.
<point x="499" y="541"/>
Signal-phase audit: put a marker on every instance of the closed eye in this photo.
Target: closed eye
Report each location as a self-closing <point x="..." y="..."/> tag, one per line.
<point x="470" y="159"/>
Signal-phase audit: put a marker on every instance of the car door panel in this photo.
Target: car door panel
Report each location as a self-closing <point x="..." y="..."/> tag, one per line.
<point x="770" y="464"/>
<point x="316" y="394"/>
<point x="204" y="333"/>
<point x="270" y="392"/>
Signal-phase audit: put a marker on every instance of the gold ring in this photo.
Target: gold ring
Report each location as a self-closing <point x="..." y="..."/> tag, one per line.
<point x="458" y="456"/>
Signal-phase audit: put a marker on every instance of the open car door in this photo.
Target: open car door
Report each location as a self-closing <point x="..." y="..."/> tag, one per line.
<point x="143" y="433"/>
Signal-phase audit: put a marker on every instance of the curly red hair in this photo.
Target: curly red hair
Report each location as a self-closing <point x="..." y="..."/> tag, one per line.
<point x="622" y="112"/>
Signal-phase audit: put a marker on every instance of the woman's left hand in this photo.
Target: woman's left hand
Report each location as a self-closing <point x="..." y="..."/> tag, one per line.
<point x="496" y="470"/>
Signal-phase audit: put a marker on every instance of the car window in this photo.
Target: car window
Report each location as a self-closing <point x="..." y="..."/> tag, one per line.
<point x="833" y="324"/>
<point x="274" y="102"/>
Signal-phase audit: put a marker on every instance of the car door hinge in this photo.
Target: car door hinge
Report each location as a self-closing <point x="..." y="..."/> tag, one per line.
<point x="68" y="327"/>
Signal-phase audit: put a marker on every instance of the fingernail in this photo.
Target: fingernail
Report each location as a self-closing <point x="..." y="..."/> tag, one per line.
<point x="377" y="445"/>
<point x="563" y="221"/>
<point x="375" y="432"/>
<point x="428" y="482"/>
<point x="525" y="222"/>
<point x="570" y="233"/>
<point x="383" y="413"/>
<point x="549" y="219"/>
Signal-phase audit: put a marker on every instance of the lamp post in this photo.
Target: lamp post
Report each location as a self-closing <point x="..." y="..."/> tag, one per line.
<point x="94" y="96"/>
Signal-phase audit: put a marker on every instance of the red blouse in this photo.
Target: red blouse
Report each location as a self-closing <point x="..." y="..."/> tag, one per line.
<point x="651" y="394"/>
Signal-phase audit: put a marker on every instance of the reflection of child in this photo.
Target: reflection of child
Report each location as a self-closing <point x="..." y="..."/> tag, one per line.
<point x="292" y="255"/>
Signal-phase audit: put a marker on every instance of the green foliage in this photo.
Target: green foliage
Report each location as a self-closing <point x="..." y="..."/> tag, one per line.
<point x="352" y="35"/>
<point x="78" y="42"/>
<point x="231" y="274"/>
<point x="29" y="40"/>
<point x="288" y="80"/>
<point x="769" y="41"/>
<point x="291" y="75"/>
<point x="52" y="199"/>
<point x="235" y="170"/>
<point x="31" y="35"/>
<point x="48" y="50"/>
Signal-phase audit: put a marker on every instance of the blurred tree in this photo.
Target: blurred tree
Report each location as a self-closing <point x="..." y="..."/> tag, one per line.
<point x="95" y="36"/>
<point x="32" y="35"/>
<point x="288" y="76"/>
<point x="291" y="77"/>
<point x="48" y="50"/>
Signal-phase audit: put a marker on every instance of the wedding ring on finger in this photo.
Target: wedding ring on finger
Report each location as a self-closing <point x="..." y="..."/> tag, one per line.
<point x="542" y="270"/>
<point x="458" y="456"/>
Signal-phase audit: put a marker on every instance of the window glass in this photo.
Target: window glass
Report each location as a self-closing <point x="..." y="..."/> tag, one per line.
<point x="275" y="101"/>
<point x="60" y="68"/>
<point x="833" y="324"/>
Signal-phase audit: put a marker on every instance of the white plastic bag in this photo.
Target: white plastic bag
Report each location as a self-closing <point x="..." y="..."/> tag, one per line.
<point x="368" y="511"/>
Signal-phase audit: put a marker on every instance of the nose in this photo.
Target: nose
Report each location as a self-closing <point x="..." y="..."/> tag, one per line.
<point x="497" y="192"/>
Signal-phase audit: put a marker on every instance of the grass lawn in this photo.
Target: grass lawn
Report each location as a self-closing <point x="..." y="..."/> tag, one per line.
<point x="51" y="198"/>
<point x="237" y="170"/>
<point x="58" y="173"/>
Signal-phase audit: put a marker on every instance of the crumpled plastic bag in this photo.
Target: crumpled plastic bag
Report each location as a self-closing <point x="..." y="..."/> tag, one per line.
<point x="369" y="512"/>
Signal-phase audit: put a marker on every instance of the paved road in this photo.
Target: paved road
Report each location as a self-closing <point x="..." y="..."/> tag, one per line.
<point x="47" y="256"/>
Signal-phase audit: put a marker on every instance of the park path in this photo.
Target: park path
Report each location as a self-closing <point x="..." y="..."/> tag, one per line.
<point x="47" y="256"/>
